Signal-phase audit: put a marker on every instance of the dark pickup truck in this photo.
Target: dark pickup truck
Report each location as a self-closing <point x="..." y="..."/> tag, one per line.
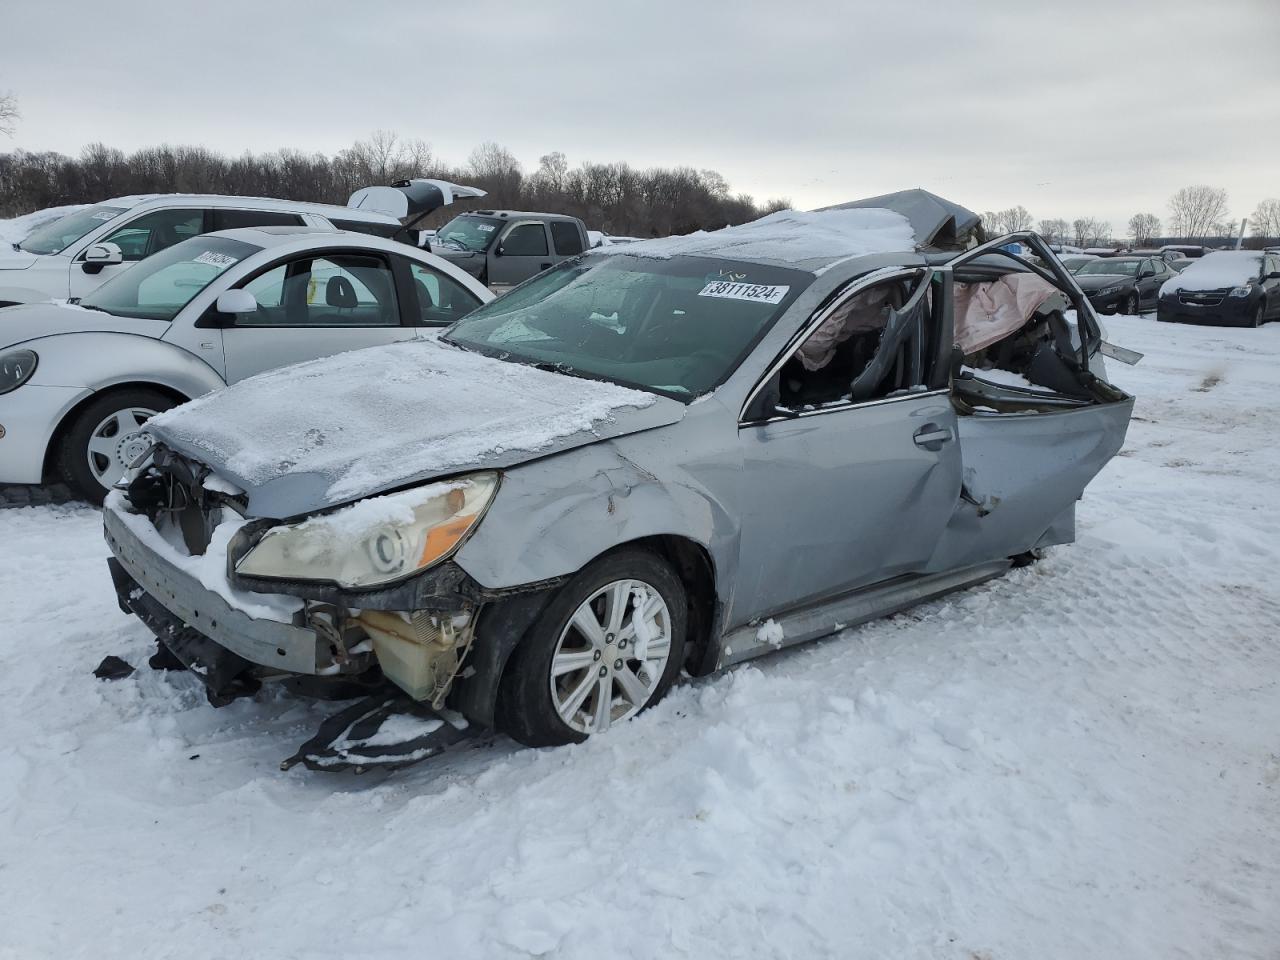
<point x="501" y="248"/>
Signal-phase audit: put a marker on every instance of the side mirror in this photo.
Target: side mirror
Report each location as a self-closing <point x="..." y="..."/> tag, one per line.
<point x="499" y="251"/>
<point x="236" y="301"/>
<point x="101" y="255"/>
<point x="1273" y="275"/>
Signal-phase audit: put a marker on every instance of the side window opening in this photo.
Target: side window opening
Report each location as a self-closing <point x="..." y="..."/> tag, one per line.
<point x="566" y="237"/>
<point x="229" y="219"/>
<point x="441" y="299"/>
<point x="156" y="231"/>
<point x="336" y="290"/>
<point x="1019" y="338"/>
<point x="878" y="343"/>
<point x="526" y="240"/>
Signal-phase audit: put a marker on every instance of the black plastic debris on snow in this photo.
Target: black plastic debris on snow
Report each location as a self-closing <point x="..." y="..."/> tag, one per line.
<point x="113" y="668"/>
<point x="355" y="738"/>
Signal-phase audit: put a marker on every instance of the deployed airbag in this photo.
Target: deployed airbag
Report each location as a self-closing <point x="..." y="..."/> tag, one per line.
<point x="986" y="313"/>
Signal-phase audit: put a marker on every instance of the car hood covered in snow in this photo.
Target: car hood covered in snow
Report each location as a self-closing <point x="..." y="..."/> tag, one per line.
<point x="1219" y="270"/>
<point x="12" y="259"/>
<point x="29" y="321"/>
<point x="329" y="431"/>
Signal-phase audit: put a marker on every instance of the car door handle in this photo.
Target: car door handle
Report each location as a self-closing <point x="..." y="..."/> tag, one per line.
<point x="932" y="437"/>
<point x="545" y="266"/>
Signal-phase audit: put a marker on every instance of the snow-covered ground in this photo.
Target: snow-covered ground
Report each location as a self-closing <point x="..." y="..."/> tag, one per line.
<point x="1081" y="760"/>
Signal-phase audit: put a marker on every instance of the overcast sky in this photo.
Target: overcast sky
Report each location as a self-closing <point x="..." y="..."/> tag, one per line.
<point x="1076" y="108"/>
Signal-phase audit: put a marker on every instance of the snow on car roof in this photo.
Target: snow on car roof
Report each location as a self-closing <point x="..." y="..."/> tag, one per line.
<point x="812" y="241"/>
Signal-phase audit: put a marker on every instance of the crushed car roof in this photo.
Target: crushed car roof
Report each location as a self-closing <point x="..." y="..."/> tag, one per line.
<point x="938" y="223"/>
<point x="812" y="241"/>
<point x="815" y="241"/>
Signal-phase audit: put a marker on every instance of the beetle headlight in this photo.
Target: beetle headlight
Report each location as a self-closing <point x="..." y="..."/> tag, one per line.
<point x="376" y="541"/>
<point x="16" y="368"/>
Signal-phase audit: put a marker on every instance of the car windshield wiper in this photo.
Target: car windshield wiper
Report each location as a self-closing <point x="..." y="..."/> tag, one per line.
<point x="88" y="306"/>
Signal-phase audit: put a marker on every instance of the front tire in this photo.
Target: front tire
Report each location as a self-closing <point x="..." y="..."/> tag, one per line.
<point x="610" y="644"/>
<point x="103" y="440"/>
<point x="1259" y="314"/>
<point x="1131" y="305"/>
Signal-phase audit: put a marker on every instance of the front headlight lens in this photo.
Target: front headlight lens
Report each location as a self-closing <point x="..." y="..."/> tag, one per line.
<point x="1241" y="292"/>
<point x="16" y="368"/>
<point x="1107" y="291"/>
<point x="376" y="541"/>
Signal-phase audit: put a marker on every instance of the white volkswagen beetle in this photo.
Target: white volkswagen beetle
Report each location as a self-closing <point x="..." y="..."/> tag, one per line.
<point x="78" y="379"/>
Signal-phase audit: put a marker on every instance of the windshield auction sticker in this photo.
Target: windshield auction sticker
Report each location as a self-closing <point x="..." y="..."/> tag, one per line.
<point x="219" y="260"/>
<point x="755" y="292"/>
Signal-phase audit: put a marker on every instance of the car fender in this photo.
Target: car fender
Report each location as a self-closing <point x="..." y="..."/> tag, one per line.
<point x="551" y="517"/>
<point x="100" y="360"/>
<point x="92" y="363"/>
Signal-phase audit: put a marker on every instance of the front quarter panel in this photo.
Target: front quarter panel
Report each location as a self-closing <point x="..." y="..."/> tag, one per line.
<point x="97" y="361"/>
<point x="553" y="516"/>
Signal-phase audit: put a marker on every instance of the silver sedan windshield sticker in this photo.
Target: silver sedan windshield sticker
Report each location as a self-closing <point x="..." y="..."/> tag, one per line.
<point x="755" y="292"/>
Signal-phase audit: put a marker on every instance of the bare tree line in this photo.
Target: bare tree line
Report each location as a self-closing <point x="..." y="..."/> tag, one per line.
<point x="1195" y="213"/>
<point x="613" y="197"/>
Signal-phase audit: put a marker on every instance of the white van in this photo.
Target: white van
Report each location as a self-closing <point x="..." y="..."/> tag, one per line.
<point x="73" y="255"/>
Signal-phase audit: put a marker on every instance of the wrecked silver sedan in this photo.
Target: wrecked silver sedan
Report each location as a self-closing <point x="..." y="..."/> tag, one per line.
<point x="674" y="457"/>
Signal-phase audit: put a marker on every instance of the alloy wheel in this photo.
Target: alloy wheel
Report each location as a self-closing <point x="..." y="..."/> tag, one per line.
<point x="610" y="656"/>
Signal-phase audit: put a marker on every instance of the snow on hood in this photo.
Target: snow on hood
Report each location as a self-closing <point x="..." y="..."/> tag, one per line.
<point x="809" y="241"/>
<point x="1217" y="271"/>
<point x="19" y="228"/>
<point x="11" y="259"/>
<point x="328" y="431"/>
<point x="29" y="321"/>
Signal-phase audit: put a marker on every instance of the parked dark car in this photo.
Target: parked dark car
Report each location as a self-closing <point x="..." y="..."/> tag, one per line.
<point x="1074" y="261"/>
<point x="502" y="248"/>
<point x="1123" y="284"/>
<point x="1192" y="250"/>
<point x="1238" y="288"/>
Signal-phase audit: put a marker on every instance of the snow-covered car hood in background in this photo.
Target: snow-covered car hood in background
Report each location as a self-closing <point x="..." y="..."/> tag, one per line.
<point x="1220" y="270"/>
<point x="11" y="259"/>
<point x="27" y="321"/>
<point x="317" y="434"/>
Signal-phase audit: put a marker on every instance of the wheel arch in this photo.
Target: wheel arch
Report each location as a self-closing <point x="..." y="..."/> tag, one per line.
<point x="508" y="621"/>
<point x="73" y="413"/>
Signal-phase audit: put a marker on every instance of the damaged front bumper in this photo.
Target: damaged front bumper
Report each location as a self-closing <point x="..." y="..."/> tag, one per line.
<point x="277" y="646"/>
<point x="406" y="645"/>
